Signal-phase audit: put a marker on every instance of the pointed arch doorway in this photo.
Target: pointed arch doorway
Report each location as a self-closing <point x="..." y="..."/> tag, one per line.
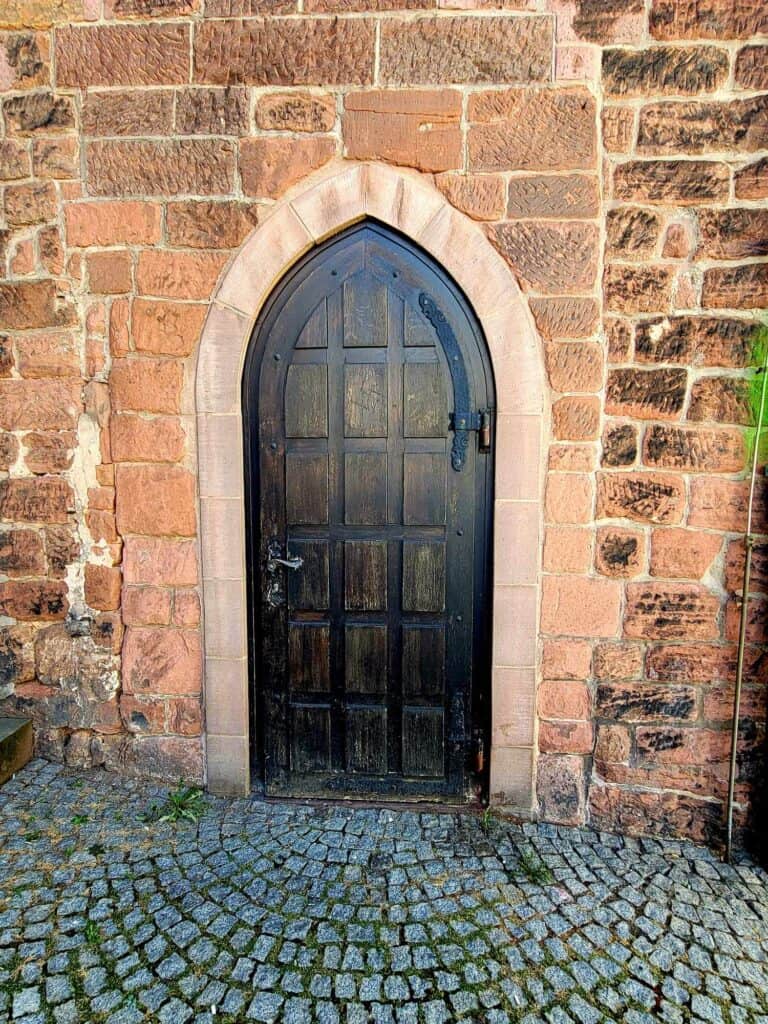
<point x="342" y="196"/>
<point x="368" y="407"/>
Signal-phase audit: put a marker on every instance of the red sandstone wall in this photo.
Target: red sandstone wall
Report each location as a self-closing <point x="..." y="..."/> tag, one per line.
<point x="616" y="152"/>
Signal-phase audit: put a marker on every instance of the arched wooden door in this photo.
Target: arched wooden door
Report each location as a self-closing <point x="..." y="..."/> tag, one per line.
<point x="368" y="410"/>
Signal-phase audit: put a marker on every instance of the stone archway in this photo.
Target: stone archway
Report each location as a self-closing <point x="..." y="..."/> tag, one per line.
<point x="314" y="211"/>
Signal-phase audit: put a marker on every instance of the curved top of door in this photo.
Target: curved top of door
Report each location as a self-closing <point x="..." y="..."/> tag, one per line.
<point x="399" y="264"/>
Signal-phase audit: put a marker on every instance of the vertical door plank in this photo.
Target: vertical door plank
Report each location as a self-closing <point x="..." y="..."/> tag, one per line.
<point x="308" y="586"/>
<point x="366" y="740"/>
<point x="424" y="489"/>
<point x="365" y="488"/>
<point x="365" y="575"/>
<point x="309" y="656"/>
<point x="365" y="312"/>
<point x="314" y="333"/>
<point x="306" y="489"/>
<point x="418" y="331"/>
<point x="423" y="742"/>
<point x="310" y="738"/>
<point x="424" y="661"/>
<point x="425" y="406"/>
<point x="365" y="659"/>
<point x="423" y="576"/>
<point x="365" y="400"/>
<point x="306" y="401"/>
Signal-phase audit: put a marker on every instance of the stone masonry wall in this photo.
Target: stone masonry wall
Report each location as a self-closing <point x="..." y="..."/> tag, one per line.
<point x="617" y="154"/>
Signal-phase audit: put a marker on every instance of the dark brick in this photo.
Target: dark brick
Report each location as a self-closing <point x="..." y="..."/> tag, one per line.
<point x="733" y="234"/>
<point x="682" y="182"/>
<point x="212" y="111"/>
<point x="721" y="400"/>
<point x="741" y="287"/>
<point x="637" y="289"/>
<point x="694" y="449"/>
<point x="632" y="233"/>
<point x="619" y="445"/>
<point x="694" y="341"/>
<point x="707" y="127"/>
<point x="644" y="497"/>
<point x="751" y="182"/>
<point x="752" y="67"/>
<point x="708" y="19"/>
<point x="664" y="69"/>
<point x="644" y="702"/>
<point x="38" y="111"/>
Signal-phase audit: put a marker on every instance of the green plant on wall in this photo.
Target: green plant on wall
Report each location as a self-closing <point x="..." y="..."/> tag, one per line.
<point x="757" y="435"/>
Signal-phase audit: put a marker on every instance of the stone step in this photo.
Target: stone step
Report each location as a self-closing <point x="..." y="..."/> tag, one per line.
<point x="16" y="743"/>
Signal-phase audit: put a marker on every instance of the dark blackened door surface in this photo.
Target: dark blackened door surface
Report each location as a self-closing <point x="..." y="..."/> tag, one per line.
<point x="368" y="550"/>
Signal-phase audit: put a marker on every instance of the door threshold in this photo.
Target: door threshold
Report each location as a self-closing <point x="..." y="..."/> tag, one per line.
<point x="473" y="807"/>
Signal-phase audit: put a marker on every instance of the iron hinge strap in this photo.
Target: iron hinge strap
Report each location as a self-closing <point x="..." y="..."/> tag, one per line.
<point x="466" y="420"/>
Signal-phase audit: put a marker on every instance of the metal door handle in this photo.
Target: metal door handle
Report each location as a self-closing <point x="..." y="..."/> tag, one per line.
<point x="289" y="563"/>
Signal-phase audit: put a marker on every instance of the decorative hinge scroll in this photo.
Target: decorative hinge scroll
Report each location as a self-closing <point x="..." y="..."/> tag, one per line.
<point x="462" y="420"/>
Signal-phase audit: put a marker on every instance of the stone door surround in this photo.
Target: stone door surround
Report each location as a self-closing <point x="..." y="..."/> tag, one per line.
<point x="317" y="208"/>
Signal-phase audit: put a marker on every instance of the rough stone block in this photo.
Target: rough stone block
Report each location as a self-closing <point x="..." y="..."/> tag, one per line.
<point x="122" y="55"/>
<point x="644" y="497"/>
<point x="157" y="500"/>
<point x="676" y="70"/>
<point x="415" y="128"/>
<point x="657" y="611"/>
<point x="270" y="165"/>
<point x="646" y="394"/>
<point x="532" y="129"/>
<point x="282" y="51"/>
<point x="160" y="168"/>
<point x="551" y="257"/>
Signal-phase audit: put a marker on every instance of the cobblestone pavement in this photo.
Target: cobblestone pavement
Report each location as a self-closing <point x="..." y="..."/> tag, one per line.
<point x="282" y="912"/>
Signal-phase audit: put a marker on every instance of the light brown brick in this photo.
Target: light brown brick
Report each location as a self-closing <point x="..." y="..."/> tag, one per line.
<point x="209" y="225"/>
<point x="414" y="127"/>
<point x="552" y="257"/>
<point x="112" y="223"/>
<point x="144" y="439"/>
<point x="146" y="385"/>
<point x="465" y="49"/>
<point x="281" y="51"/>
<point x="270" y="165"/>
<point x="532" y="129"/>
<point x="156" y="500"/>
<point x="296" y="112"/>
<point x="160" y="168"/>
<point x="122" y="55"/>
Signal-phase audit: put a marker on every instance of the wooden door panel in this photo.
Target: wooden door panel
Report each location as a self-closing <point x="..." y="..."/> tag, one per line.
<point x="365" y="312"/>
<point x="306" y="489"/>
<point x="306" y="401"/>
<point x="423" y="576"/>
<point x="365" y="659"/>
<point x="366" y="740"/>
<point x="365" y="651"/>
<point x="424" y="400"/>
<point x="365" y="400"/>
<point x="418" y="331"/>
<point x="365" y="488"/>
<point x="365" y="576"/>
<point x="424" y="662"/>
<point x="309" y="657"/>
<point x="309" y="587"/>
<point x="423" y="741"/>
<point x="424" y="489"/>
<point x="310" y="738"/>
<point x="314" y="333"/>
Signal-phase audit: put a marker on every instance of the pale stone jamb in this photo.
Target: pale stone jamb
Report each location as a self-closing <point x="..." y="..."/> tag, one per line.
<point x="340" y="196"/>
